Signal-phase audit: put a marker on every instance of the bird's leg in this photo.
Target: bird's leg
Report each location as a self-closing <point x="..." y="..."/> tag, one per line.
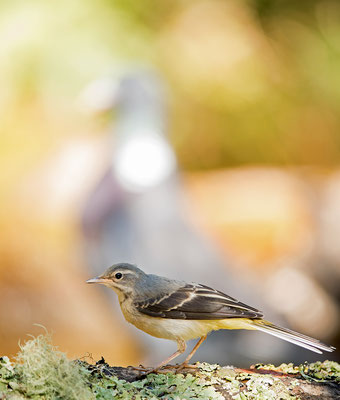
<point x="181" y="349"/>
<point x="140" y="368"/>
<point x="193" y="351"/>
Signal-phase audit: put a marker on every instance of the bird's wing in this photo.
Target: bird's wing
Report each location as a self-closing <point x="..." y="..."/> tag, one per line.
<point x="198" y="302"/>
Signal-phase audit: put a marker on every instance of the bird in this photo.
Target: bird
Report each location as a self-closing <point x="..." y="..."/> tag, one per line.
<point x="179" y="311"/>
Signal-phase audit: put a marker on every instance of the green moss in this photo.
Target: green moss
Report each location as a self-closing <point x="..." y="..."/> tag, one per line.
<point x="318" y="371"/>
<point x="41" y="371"/>
<point x="155" y="386"/>
<point x="249" y="386"/>
<point x="321" y="371"/>
<point x="265" y="388"/>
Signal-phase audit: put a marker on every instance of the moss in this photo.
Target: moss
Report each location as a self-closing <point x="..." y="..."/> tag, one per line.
<point x="41" y="371"/>
<point x="244" y="385"/>
<point x="155" y="386"/>
<point x="266" y="388"/>
<point x="318" y="371"/>
<point x="321" y="371"/>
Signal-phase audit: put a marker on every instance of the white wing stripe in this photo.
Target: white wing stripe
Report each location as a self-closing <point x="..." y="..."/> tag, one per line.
<point x="157" y="301"/>
<point x="190" y="296"/>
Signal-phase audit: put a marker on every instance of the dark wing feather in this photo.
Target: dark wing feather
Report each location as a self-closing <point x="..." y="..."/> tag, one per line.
<point x="196" y="302"/>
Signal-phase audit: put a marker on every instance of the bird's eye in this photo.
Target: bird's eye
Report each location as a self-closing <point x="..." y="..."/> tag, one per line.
<point x="118" y="275"/>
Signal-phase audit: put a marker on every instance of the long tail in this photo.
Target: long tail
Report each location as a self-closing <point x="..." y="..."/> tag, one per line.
<point x="291" y="336"/>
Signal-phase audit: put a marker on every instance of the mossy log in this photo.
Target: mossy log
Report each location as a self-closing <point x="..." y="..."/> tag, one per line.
<point x="305" y="382"/>
<point x="41" y="372"/>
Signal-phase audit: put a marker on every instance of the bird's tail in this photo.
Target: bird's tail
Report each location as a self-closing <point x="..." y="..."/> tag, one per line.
<point x="291" y="336"/>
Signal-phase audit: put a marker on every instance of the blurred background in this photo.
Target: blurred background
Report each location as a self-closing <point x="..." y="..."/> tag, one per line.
<point x="199" y="139"/>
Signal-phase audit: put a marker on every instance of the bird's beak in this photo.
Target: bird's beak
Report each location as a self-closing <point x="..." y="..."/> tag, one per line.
<point x="97" y="279"/>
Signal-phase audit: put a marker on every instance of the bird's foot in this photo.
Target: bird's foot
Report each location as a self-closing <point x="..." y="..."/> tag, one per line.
<point x="164" y="369"/>
<point x="160" y="370"/>
<point x="140" y="368"/>
<point x="185" y="365"/>
<point x="149" y="370"/>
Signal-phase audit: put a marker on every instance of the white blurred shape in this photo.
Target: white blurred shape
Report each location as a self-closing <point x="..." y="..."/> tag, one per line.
<point x="143" y="161"/>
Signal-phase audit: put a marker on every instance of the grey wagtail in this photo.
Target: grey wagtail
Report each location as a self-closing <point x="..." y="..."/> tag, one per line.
<point x="180" y="311"/>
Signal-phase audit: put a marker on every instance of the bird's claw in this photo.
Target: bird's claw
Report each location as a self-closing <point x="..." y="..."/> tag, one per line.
<point x="140" y="368"/>
<point x="185" y="365"/>
<point x="166" y="368"/>
<point x="162" y="370"/>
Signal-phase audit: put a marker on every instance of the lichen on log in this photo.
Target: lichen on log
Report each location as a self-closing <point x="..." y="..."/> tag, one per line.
<point x="40" y="371"/>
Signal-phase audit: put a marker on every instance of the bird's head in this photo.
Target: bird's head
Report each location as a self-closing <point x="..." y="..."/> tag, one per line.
<point x="122" y="278"/>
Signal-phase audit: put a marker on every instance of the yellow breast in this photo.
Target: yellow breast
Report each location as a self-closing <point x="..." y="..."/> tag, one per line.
<point x="174" y="329"/>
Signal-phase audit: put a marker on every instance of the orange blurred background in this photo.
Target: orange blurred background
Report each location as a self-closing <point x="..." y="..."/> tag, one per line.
<point x="198" y="139"/>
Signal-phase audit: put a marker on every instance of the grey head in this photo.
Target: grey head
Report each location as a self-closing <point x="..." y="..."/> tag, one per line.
<point x="127" y="280"/>
<point x="121" y="277"/>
